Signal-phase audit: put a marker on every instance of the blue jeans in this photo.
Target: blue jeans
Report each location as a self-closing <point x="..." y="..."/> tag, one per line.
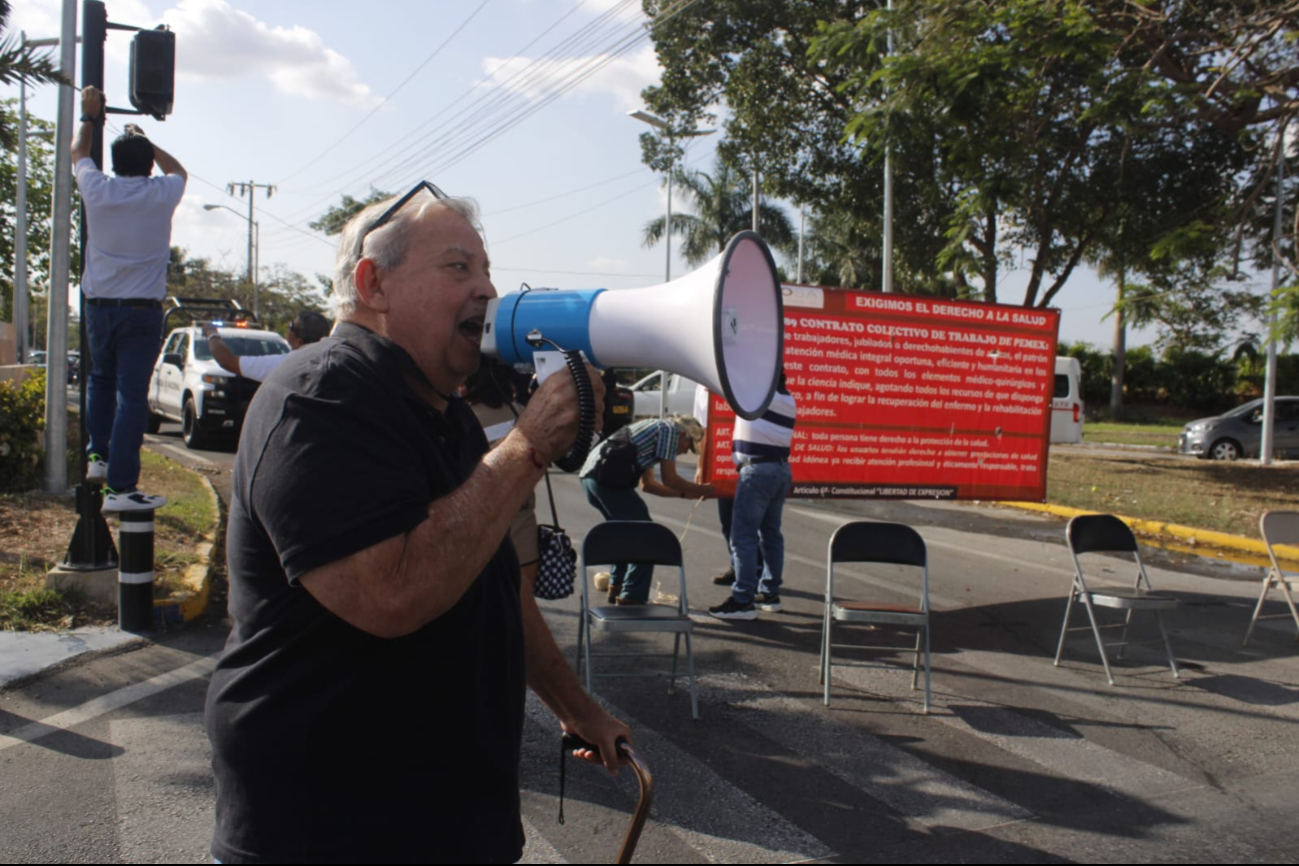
<point x="623" y="504"/>
<point x="755" y="525"/>
<point x="124" y="344"/>
<point x="725" y="511"/>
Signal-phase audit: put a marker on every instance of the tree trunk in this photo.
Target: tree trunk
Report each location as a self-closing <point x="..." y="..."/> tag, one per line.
<point x="1120" y="354"/>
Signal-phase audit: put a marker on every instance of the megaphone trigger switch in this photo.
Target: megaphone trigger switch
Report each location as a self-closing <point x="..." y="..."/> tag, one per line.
<point x="576" y="456"/>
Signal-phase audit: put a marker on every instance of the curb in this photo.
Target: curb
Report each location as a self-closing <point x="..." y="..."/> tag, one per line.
<point x="1187" y="534"/>
<point x="190" y="603"/>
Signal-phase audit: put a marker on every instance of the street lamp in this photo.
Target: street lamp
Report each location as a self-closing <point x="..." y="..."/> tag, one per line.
<point x="254" y="240"/>
<point x="672" y="135"/>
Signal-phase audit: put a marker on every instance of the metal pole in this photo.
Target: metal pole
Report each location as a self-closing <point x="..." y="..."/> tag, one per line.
<point x="20" y="310"/>
<point x="252" y="277"/>
<point x="1269" y="376"/>
<point x="56" y="340"/>
<point x="886" y="282"/>
<point x="91" y="548"/>
<point x="755" y="194"/>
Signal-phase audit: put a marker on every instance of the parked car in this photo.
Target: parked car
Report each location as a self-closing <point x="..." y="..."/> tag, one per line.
<point x="1239" y="433"/>
<point x="189" y="386"/>
<point x="680" y="396"/>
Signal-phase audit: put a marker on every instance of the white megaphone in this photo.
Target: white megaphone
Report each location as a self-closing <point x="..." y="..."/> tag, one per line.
<point x="721" y="326"/>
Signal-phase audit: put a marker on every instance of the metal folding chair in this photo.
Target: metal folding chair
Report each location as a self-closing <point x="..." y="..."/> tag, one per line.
<point x="884" y="543"/>
<point x="1105" y="533"/>
<point x="617" y="541"/>
<point x="1277" y="527"/>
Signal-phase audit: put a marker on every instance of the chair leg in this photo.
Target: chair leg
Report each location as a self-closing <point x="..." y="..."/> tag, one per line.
<point x="827" y="664"/>
<point x="1168" y="647"/>
<point x="1262" y="597"/>
<point x="676" y="649"/>
<point x="690" y="665"/>
<point x="1100" y="644"/>
<point x="927" y="660"/>
<point x="1064" y="628"/>
<point x="1123" y="637"/>
<point x="586" y="624"/>
<point x="581" y="633"/>
<point x="915" y="668"/>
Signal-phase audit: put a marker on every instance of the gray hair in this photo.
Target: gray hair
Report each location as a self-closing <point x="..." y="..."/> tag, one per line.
<point x="386" y="246"/>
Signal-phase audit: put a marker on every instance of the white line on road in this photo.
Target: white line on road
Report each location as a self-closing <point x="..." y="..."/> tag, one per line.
<point x="108" y="703"/>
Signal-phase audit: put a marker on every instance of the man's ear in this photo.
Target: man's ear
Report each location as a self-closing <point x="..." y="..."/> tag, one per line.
<point x="368" y="289"/>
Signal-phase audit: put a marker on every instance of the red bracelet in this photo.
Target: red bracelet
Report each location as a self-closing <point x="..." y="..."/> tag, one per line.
<point x="536" y="458"/>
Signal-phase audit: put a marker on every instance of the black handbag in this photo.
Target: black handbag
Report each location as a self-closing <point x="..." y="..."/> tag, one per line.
<point x="557" y="560"/>
<point x="616" y="466"/>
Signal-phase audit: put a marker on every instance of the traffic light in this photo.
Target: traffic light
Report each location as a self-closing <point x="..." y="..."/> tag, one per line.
<point x="153" y="71"/>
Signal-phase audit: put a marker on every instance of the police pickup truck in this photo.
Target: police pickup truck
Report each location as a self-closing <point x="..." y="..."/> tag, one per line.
<point x="190" y="387"/>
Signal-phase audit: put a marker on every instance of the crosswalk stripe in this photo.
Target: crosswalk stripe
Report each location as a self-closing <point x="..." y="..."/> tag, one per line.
<point x="721" y="822"/>
<point x="1064" y="753"/>
<point x="107" y="703"/>
<point x="907" y="784"/>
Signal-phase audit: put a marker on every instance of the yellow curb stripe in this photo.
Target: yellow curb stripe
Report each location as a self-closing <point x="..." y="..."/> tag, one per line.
<point x="1185" y="533"/>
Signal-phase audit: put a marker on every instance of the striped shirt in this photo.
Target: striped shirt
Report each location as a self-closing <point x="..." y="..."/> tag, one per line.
<point x="768" y="437"/>
<point x="655" y="440"/>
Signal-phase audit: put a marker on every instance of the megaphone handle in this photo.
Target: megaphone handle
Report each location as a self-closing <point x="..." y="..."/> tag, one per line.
<point x="576" y="456"/>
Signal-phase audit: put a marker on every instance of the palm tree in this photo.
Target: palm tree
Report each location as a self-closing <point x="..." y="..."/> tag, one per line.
<point x="724" y="207"/>
<point x="18" y="63"/>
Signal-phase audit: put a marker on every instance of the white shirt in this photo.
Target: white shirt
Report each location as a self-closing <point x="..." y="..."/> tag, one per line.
<point x="258" y="367"/>
<point x="769" y="436"/>
<point x="130" y="232"/>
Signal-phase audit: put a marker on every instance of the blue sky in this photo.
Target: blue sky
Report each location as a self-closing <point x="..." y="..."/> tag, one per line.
<point x="322" y="98"/>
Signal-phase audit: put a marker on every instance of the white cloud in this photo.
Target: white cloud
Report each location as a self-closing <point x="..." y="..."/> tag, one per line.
<point x="214" y="41"/>
<point x="622" y="77"/>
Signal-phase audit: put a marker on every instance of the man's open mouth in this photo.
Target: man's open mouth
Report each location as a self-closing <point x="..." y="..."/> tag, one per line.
<point x="473" y="329"/>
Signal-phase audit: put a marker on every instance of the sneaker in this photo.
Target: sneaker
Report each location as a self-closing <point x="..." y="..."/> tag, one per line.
<point x="769" y="603"/>
<point x="732" y="609"/>
<point x="131" y="500"/>
<point x="602" y="581"/>
<point x="96" y="468"/>
<point x="726" y="578"/>
<point x="625" y="602"/>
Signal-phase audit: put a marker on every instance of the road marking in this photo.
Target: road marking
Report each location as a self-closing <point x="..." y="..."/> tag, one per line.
<point x="714" y="817"/>
<point x="108" y="703"/>
<point x="907" y="784"/>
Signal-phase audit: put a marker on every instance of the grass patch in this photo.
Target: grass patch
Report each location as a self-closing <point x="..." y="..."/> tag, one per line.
<point x="39" y="527"/>
<point x="1114" y="433"/>
<point x="1226" y="497"/>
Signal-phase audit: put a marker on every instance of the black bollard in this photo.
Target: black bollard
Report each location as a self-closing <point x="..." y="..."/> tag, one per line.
<point x="135" y="574"/>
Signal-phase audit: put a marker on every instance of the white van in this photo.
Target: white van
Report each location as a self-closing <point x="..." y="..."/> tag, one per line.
<point x="1067" y="402"/>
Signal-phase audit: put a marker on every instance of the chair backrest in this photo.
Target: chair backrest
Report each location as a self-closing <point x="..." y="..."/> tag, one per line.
<point x="631" y="541"/>
<point x="1279" y="527"/>
<point x="873" y="541"/>
<point x="1099" y="533"/>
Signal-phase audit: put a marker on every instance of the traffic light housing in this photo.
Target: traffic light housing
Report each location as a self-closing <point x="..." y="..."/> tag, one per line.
<point x="153" y="71"/>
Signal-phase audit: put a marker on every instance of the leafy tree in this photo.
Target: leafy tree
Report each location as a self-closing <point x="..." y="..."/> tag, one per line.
<point x="19" y="64"/>
<point x="334" y="219"/>
<point x="281" y="294"/>
<point x="40" y="189"/>
<point x="724" y="207"/>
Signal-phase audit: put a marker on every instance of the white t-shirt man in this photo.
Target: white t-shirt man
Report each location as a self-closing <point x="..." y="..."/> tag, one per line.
<point x="130" y="232"/>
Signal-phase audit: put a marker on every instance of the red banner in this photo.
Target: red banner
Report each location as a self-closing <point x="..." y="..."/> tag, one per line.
<point x="905" y="397"/>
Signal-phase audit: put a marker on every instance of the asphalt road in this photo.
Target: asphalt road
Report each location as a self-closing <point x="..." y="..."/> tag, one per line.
<point x="1019" y="761"/>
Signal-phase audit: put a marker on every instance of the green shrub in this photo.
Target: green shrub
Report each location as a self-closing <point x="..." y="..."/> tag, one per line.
<point x="22" y="421"/>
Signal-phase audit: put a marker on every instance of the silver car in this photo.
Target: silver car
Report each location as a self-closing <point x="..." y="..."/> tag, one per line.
<point x="1238" y="433"/>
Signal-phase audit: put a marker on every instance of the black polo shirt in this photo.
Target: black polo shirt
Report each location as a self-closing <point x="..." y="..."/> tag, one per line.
<point x="330" y="744"/>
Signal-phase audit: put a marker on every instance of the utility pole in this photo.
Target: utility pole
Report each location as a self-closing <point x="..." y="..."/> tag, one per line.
<point x="251" y="188"/>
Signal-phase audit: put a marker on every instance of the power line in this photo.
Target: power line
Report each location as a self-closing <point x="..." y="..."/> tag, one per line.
<point x="384" y="101"/>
